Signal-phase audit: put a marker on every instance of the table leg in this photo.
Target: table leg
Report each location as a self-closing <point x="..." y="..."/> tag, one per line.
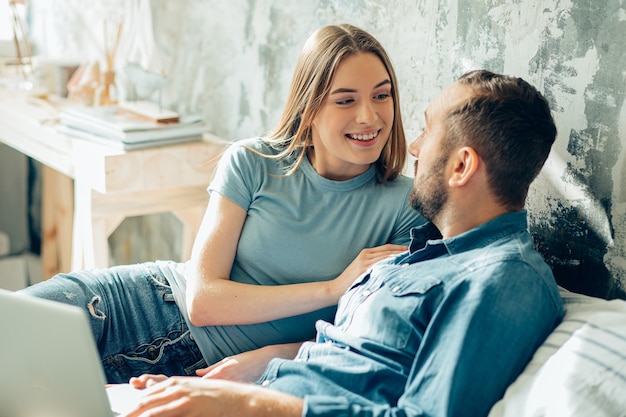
<point x="57" y="214"/>
<point x="191" y="219"/>
<point x="92" y="228"/>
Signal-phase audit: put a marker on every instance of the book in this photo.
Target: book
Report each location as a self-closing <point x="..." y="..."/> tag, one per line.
<point x="149" y="110"/>
<point x="114" y="123"/>
<point x="123" y="145"/>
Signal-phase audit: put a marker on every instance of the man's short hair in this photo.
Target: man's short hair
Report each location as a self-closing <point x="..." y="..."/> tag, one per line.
<point x="509" y="124"/>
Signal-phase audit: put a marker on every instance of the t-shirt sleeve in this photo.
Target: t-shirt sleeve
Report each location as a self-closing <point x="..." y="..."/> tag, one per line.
<point x="234" y="177"/>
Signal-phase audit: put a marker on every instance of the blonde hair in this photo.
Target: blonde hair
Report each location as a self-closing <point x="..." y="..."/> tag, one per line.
<point x="321" y="54"/>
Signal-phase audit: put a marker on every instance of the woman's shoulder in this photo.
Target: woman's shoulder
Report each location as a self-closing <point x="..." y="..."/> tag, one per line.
<point x="401" y="182"/>
<point x="254" y="154"/>
<point x="245" y="151"/>
<point x="254" y="144"/>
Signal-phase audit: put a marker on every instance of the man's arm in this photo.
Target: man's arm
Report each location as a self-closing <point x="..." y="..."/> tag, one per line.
<point x="192" y="396"/>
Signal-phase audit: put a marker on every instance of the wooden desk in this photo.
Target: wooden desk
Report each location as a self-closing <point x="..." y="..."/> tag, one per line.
<point x="88" y="189"/>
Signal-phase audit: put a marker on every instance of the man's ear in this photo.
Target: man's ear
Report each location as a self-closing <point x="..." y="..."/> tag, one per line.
<point x="465" y="162"/>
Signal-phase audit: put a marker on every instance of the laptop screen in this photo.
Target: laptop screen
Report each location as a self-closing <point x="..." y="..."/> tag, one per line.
<point x="49" y="362"/>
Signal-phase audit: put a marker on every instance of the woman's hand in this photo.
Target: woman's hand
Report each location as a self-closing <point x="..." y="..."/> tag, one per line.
<point x="248" y="366"/>
<point x="366" y="258"/>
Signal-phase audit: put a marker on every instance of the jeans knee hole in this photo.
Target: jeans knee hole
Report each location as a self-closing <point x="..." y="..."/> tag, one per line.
<point x="91" y="306"/>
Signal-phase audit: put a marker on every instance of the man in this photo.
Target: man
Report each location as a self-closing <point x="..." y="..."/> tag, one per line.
<point x="443" y="329"/>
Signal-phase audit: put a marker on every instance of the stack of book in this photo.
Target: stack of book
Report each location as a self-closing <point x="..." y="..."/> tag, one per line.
<point x="118" y="127"/>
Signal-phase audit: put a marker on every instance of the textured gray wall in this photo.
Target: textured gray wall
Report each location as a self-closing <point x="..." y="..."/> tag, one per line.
<point x="232" y="61"/>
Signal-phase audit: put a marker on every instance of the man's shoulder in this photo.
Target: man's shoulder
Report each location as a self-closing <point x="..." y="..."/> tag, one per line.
<point x="507" y="251"/>
<point x="511" y="261"/>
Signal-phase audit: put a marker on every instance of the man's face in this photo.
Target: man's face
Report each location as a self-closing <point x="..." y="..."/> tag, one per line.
<point x="430" y="189"/>
<point x="429" y="194"/>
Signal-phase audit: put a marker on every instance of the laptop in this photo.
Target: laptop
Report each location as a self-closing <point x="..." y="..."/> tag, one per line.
<point x="49" y="363"/>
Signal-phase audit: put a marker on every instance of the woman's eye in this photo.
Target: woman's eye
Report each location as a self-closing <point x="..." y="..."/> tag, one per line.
<point x="382" y="96"/>
<point x="344" y="102"/>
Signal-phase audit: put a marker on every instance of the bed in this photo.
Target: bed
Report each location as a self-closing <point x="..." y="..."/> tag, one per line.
<point x="580" y="369"/>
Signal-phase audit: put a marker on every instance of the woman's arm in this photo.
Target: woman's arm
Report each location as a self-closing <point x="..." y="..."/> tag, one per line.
<point x="249" y="366"/>
<point x="212" y="299"/>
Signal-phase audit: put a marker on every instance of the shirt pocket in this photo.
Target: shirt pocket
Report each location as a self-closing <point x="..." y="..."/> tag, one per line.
<point x="388" y="316"/>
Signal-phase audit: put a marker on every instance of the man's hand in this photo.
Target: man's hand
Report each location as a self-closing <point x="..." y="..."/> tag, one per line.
<point x="195" y="397"/>
<point x="146" y="380"/>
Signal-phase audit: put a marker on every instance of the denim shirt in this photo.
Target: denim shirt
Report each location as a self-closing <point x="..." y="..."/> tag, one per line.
<point x="440" y="330"/>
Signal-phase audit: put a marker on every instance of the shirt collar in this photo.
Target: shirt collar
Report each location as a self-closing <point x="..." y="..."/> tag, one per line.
<point x="503" y="225"/>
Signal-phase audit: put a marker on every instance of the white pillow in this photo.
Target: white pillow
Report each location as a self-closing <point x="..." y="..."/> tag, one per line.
<point x="580" y="369"/>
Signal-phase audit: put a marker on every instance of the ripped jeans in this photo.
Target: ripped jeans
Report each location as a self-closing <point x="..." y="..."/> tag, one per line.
<point x="136" y="323"/>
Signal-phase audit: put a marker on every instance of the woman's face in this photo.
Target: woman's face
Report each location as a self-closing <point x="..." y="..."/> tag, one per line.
<point x="355" y="119"/>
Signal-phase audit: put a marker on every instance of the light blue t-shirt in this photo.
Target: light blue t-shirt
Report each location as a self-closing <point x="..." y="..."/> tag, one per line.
<point x="300" y="228"/>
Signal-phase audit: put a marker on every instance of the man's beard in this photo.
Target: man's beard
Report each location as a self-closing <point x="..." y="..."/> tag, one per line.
<point x="429" y="193"/>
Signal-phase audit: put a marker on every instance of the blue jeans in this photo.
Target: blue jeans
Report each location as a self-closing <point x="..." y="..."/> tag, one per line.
<point x="136" y="323"/>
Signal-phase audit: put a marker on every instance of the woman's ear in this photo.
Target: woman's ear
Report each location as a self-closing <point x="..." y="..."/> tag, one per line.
<point x="464" y="163"/>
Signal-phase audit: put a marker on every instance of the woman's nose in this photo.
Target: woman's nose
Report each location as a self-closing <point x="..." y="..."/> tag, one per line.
<point x="366" y="113"/>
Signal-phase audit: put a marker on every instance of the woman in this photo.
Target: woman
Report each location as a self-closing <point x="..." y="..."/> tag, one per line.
<point x="284" y="232"/>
